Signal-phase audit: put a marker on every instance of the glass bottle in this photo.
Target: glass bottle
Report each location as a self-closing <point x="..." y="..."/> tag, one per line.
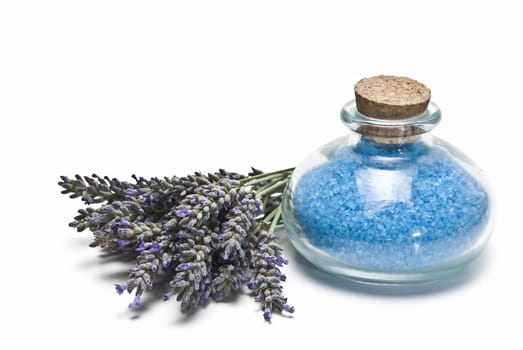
<point x="388" y="203"/>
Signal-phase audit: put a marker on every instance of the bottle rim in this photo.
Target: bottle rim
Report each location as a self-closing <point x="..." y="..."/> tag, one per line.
<point x="391" y="130"/>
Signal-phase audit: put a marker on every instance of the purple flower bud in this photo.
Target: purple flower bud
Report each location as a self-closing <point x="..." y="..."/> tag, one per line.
<point x="121" y="222"/>
<point x="136" y="303"/>
<point x="267" y="314"/>
<point x="140" y="247"/>
<point x="288" y="308"/>
<point x="156" y="247"/>
<point x="182" y="212"/>
<point x="120" y="288"/>
<point x="252" y="283"/>
<point x="183" y="234"/>
<point x="280" y="261"/>
<point x="259" y="204"/>
<point x="144" y="200"/>
<point x="283" y="277"/>
<point x="165" y="264"/>
<point x="96" y="218"/>
<point x="121" y="243"/>
<point x="205" y="297"/>
<point x="130" y="192"/>
<point x="184" y="266"/>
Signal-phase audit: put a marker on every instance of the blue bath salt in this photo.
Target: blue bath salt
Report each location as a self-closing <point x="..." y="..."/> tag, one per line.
<point x="391" y="208"/>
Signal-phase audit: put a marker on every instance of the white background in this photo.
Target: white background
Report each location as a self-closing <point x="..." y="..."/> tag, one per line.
<point x="162" y="87"/>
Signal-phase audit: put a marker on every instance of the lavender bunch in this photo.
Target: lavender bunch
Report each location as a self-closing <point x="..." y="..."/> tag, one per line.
<point x="203" y="235"/>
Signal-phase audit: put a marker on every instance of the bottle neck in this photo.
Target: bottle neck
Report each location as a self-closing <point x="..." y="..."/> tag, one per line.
<point x="369" y="147"/>
<point x="391" y="131"/>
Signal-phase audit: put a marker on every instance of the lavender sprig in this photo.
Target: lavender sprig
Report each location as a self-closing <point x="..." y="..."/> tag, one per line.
<point x="207" y="235"/>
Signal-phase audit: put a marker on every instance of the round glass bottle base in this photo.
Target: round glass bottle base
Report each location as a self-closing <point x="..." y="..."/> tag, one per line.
<point x="328" y="263"/>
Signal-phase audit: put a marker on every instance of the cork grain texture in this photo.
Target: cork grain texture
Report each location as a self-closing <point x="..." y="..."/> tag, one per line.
<point x="391" y="97"/>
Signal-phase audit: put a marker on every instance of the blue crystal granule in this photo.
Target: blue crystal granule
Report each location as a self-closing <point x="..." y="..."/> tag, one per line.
<point x="391" y="208"/>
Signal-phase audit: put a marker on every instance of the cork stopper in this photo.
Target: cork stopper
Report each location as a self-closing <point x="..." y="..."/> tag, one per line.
<point x="390" y="97"/>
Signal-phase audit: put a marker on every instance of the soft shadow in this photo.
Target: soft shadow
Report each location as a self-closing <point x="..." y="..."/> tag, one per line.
<point x="116" y="276"/>
<point x="108" y="258"/>
<point x="114" y="267"/>
<point x="185" y="318"/>
<point x="459" y="280"/>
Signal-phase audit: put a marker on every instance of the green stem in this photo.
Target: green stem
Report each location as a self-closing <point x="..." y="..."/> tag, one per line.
<point x="270" y="187"/>
<point x="268" y="218"/>
<point x="274" y="222"/>
<point x="266" y="176"/>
